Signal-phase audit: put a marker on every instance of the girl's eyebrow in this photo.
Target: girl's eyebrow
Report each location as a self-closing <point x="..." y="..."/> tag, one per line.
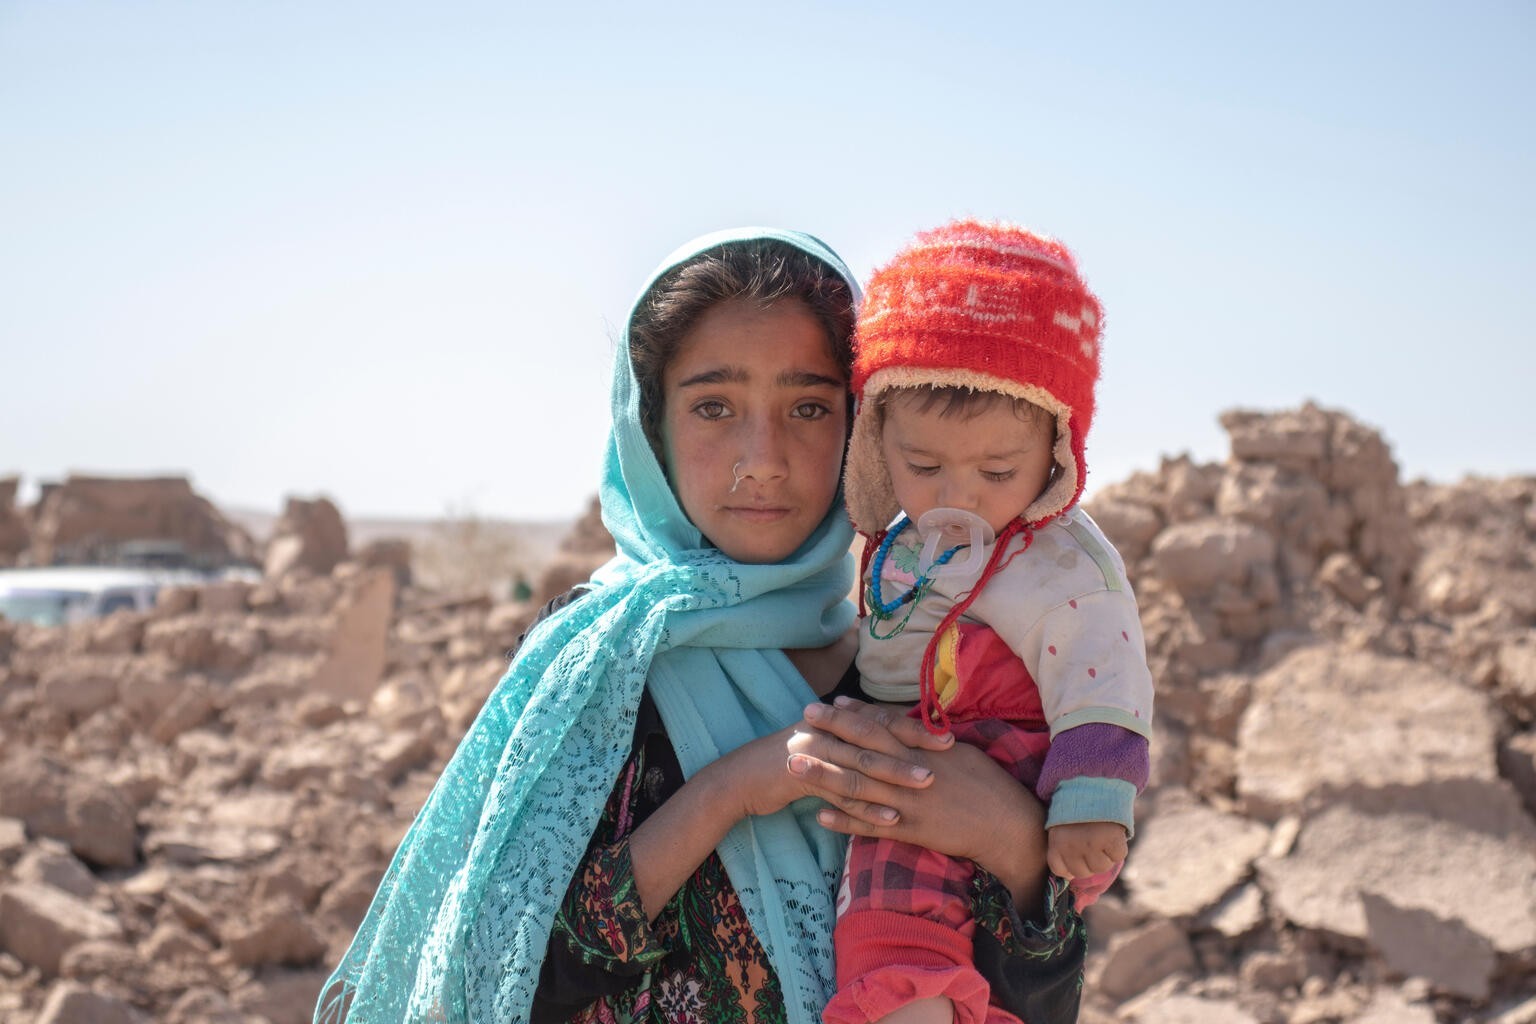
<point x="809" y="379"/>
<point x="719" y="375"/>
<point x="738" y="375"/>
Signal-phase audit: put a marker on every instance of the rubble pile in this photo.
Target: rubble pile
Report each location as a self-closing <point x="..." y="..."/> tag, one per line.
<point x="196" y="803"/>
<point x="86" y="519"/>
<point x="1340" y="821"/>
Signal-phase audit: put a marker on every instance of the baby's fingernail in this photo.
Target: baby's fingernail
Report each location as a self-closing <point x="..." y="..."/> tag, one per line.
<point x="816" y="711"/>
<point x="825" y="817"/>
<point x="799" y="763"/>
<point x="887" y="814"/>
<point x="845" y="702"/>
<point x="920" y="773"/>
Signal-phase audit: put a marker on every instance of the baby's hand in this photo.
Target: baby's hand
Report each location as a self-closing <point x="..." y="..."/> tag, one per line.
<point x="1084" y="848"/>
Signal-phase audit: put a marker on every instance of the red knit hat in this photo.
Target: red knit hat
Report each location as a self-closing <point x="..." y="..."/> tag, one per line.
<point x="987" y="306"/>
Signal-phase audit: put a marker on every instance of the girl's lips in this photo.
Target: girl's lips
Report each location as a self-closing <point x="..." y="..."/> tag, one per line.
<point x="753" y="514"/>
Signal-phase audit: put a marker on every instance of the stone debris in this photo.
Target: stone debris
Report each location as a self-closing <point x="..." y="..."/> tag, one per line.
<point x="39" y="924"/>
<point x="1189" y="855"/>
<point x="197" y="803"/>
<point x="1328" y="720"/>
<point x="14" y="536"/>
<point x="310" y="538"/>
<point x="71" y="1003"/>
<point x="89" y="519"/>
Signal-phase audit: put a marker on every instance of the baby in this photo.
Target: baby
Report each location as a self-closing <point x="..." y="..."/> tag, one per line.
<point x="977" y="356"/>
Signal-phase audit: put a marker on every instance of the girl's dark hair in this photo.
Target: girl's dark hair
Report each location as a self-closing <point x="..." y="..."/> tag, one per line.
<point x="764" y="271"/>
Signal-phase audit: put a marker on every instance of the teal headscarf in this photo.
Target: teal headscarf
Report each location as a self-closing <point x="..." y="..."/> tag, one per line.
<point x="459" y="926"/>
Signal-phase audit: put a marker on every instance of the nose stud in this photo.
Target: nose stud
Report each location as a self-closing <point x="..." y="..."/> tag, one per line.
<point x="736" y="474"/>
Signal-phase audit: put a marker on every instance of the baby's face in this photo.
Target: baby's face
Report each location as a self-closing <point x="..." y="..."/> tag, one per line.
<point x="992" y="464"/>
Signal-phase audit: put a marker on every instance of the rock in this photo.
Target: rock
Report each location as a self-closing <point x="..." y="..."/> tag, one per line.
<point x="80" y="686"/>
<point x="291" y="766"/>
<point x="283" y="996"/>
<point x="1517" y="673"/>
<point x="1135" y="960"/>
<point x="191" y="845"/>
<point x="310" y="536"/>
<point x="1129" y="526"/>
<point x="1343" y="854"/>
<point x="278" y="933"/>
<point x="1522" y="1013"/>
<point x="1194" y="557"/>
<point x="316" y="710"/>
<point x="173" y="602"/>
<point x="14" y="535"/>
<point x="392" y="553"/>
<point x="100" y="958"/>
<point x="1187" y="856"/>
<point x="224" y="597"/>
<point x="189" y="908"/>
<point x="1517" y="763"/>
<point x="39" y="924"/>
<point x="1294" y="441"/>
<point x="1418" y="943"/>
<point x="188" y="643"/>
<point x="13" y="839"/>
<point x="207" y="1006"/>
<point x="1273" y="971"/>
<point x="71" y="1003"/>
<point x="147" y="688"/>
<point x="401" y="752"/>
<point x="88" y="814"/>
<point x="1186" y="1009"/>
<point x="170" y="941"/>
<point x="1238" y="914"/>
<point x="87" y="519"/>
<point x="357" y="657"/>
<point x="1327" y="720"/>
<point x="118" y="633"/>
<point x="50" y="863"/>
<point x="347" y="900"/>
<point x="191" y="708"/>
<point x="1343" y="575"/>
<point x="1387" y="1007"/>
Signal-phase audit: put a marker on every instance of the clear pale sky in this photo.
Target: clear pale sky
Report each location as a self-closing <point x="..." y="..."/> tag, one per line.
<point x="380" y="251"/>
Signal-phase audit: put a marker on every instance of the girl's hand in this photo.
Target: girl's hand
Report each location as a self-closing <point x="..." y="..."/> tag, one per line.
<point x="857" y="764"/>
<point x="969" y="807"/>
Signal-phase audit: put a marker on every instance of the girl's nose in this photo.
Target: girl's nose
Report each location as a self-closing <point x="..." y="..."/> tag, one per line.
<point x="763" y="457"/>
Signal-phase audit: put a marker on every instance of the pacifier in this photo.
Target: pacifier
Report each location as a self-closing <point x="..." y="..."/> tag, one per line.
<point x="949" y="528"/>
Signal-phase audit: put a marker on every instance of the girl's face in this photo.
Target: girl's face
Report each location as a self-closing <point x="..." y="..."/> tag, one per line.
<point x="753" y="394"/>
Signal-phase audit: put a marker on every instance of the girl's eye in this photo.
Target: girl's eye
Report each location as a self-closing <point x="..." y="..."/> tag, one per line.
<point x="917" y="470"/>
<point x="710" y="409"/>
<point x="811" y="411"/>
<point x="999" y="476"/>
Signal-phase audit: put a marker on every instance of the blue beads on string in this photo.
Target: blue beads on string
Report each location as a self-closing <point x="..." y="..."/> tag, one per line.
<point x="883" y="609"/>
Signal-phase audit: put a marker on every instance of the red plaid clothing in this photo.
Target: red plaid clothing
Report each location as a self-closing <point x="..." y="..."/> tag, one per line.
<point x="904" y="924"/>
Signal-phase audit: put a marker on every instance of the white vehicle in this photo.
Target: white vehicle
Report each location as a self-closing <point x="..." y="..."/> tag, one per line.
<point x="54" y="596"/>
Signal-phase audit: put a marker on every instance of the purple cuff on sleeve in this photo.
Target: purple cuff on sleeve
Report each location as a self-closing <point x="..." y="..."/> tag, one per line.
<point x="1095" y="750"/>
